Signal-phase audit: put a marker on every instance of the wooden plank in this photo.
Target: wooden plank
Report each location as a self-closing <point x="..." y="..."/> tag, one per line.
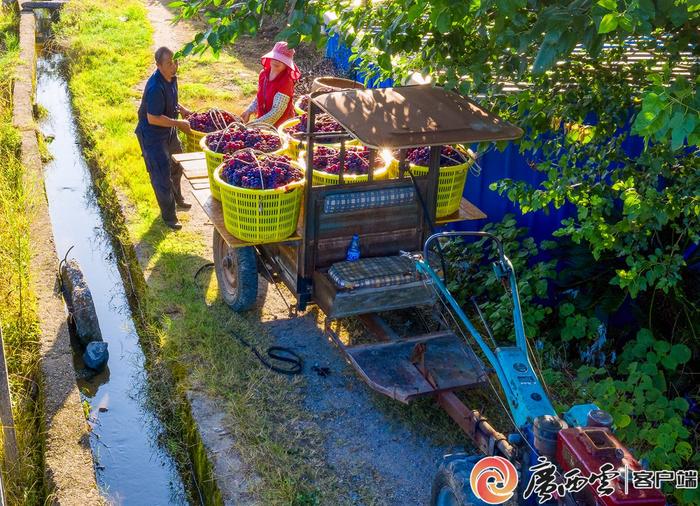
<point x="194" y="165"/>
<point x="387" y="367"/>
<point x="194" y="169"/>
<point x="387" y="243"/>
<point x="366" y="221"/>
<point x="214" y="211"/>
<point x="183" y="157"/>
<point x="467" y="211"/>
<point x="200" y="184"/>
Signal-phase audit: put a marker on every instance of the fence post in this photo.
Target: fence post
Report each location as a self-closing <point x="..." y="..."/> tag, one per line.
<point x="6" y="420"/>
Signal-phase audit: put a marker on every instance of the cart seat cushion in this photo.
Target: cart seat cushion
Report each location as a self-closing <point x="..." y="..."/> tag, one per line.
<point x="373" y="272"/>
<point x="370" y="199"/>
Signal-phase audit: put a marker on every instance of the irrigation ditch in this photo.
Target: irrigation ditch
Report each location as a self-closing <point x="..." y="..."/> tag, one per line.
<point x="144" y="441"/>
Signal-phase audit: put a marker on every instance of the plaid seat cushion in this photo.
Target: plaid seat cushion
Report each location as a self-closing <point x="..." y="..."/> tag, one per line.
<point x="344" y="202"/>
<point x="373" y="272"/>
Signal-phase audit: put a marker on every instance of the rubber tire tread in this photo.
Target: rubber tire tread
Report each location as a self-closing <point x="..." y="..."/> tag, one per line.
<point x="453" y="474"/>
<point x="247" y="274"/>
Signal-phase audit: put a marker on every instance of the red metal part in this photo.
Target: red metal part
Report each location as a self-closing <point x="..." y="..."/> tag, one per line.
<point x="588" y="448"/>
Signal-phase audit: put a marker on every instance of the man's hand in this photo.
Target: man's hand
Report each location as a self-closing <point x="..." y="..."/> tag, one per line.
<point x="184" y="111"/>
<point x="184" y="125"/>
<point x="245" y="116"/>
<point x="167" y="122"/>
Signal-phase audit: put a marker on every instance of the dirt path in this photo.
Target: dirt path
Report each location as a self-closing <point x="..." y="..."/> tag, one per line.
<point x="372" y="444"/>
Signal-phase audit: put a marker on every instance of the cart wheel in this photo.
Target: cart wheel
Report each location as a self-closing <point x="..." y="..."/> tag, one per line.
<point x="236" y="273"/>
<point x="451" y="485"/>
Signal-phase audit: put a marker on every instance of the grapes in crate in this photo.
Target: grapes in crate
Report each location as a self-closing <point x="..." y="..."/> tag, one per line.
<point x="356" y="160"/>
<point x="303" y="103"/>
<point x="240" y="137"/>
<point x="260" y="172"/>
<point x="210" y="121"/>
<point x="421" y="156"/>
<point x="324" y="123"/>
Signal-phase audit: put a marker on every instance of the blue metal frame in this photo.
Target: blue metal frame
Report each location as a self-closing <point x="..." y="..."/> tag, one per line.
<point x="526" y="397"/>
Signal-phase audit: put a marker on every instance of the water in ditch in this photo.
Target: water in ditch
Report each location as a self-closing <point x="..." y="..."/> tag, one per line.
<point x="131" y="467"/>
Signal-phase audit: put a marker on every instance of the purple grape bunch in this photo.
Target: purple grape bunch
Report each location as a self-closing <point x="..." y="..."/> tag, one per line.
<point x="421" y="156"/>
<point x="356" y="160"/>
<point x="211" y="120"/>
<point x="303" y="103"/>
<point x="324" y="123"/>
<point x="245" y="169"/>
<point x="239" y="137"/>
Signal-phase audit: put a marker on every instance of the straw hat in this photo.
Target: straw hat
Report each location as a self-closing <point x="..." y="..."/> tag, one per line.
<point x="283" y="54"/>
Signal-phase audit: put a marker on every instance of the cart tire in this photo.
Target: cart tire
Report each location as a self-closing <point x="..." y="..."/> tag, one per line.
<point x="237" y="273"/>
<point x="451" y="485"/>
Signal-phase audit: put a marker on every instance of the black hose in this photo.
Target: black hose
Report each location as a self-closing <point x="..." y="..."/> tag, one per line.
<point x="279" y="353"/>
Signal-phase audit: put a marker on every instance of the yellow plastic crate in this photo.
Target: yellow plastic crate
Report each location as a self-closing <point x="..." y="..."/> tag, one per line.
<point x="324" y="178"/>
<point x="215" y="159"/>
<point x="260" y="216"/>
<point x="451" y="183"/>
<point x="295" y="146"/>
<point x="190" y="142"/>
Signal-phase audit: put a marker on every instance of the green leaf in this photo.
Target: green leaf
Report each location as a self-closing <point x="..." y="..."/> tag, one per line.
<point x="682" y="125"/>
<point x="662" y="346"/>
<point x="608" y="23"/>
<point x="415" y="12"/>
<point x="680" y="353"/>
<point x="622" y="421"/>
<point x="679" y="404"/>
<point x="547" y="53"/>
<point x="610" y="5"/>
<point x="645" y="337"/>
<point x="566" y="309"/>
<point x="666" y="440"/>
<point x="625" y="23"/>
<point x="684" y="450"/>
<point x="444" y="20"/>
<point x="294" y="39"/>
<point x="669" y="362"/>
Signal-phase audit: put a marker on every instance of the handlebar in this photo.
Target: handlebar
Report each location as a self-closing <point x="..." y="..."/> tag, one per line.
<point x="438" y="235"/>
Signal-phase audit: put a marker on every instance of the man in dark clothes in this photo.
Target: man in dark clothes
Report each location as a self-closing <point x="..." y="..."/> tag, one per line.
<point x="157" y="135"/>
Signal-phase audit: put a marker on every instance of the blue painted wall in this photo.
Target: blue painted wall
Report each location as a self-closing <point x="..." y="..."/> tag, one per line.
<point x="495" y="165"/>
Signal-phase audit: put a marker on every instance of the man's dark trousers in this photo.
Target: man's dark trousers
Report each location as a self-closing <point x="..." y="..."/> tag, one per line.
<point x="164" y="173"/>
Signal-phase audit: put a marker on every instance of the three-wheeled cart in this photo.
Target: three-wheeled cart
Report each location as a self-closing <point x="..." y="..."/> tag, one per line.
<point x="396" y="221"/>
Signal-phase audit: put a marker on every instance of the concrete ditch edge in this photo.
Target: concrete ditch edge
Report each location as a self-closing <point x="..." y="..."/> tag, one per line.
<point x="69" y="467"/>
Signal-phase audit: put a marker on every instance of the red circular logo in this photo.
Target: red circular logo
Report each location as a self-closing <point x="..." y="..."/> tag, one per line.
<point x="494" y="479"/>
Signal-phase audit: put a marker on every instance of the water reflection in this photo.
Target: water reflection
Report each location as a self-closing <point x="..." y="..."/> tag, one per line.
<point x="130" y="466"/>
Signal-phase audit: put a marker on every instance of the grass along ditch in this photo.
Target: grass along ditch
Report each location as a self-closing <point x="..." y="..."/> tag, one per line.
<point x="298" y="445"/>
<point x="24" y="484"/>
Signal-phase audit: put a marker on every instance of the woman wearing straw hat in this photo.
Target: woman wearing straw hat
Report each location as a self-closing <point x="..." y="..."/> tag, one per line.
<point x="274" y="103"/>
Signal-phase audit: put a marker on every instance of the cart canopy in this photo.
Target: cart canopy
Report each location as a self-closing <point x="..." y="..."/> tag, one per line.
<point x="413" y="116"/>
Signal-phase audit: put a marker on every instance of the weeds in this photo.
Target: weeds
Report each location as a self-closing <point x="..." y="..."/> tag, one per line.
<point x="18" y="312"/>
